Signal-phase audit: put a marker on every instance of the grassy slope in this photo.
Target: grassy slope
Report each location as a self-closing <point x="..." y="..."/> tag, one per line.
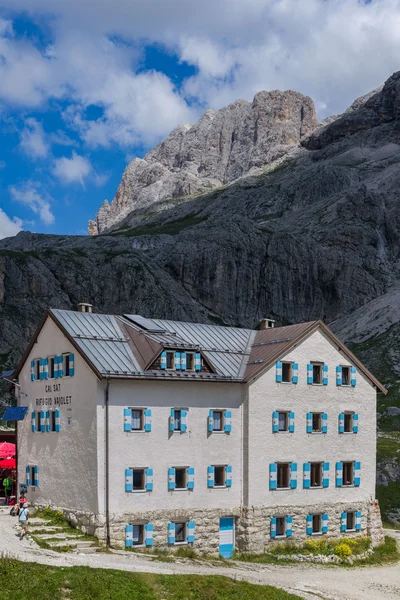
<point x="29" y="581"/>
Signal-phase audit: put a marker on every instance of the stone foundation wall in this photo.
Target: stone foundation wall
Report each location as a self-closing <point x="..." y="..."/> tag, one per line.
<point x="252" y="532"/>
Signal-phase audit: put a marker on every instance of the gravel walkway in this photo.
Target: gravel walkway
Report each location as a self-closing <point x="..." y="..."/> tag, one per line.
<point x="308" y="581"/>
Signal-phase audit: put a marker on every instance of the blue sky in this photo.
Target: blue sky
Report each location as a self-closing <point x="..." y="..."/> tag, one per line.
<point x="87" y="85"/>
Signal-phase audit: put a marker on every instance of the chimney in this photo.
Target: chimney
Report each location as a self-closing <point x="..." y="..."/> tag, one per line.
<point x="266" y="323"/>
<point x="85" y="307"/>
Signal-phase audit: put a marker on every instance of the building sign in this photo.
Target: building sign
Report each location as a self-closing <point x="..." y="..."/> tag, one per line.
<point x="53" y="396"/>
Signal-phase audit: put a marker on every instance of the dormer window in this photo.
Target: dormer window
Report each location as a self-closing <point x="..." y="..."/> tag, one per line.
<point x="180" y="360"/>
<point x="189" y="361"/>
<point x="170" y="360"/>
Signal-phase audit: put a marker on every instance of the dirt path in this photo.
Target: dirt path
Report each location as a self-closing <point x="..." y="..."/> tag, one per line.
<point x="308" y="581"/>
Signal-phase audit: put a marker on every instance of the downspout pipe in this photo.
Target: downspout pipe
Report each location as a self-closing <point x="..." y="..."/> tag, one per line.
<point x="107" y="470"/>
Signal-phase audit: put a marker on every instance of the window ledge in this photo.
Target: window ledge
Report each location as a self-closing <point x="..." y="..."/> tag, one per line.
<point x="285" y="489"/>
<point x="350" y="531"/>
<point x="180" y="490"/>
<point x="180" y="544"/>
<point x="317" y="533"/>
<point x="139" y="491"/>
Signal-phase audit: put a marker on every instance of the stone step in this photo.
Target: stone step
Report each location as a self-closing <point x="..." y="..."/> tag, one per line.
<point x="67" y="542"/>
<point x="87" y="550"/>
<point x="60" y="536"/>
<point x="48" y="529"/>
<point x="38" y="521"/>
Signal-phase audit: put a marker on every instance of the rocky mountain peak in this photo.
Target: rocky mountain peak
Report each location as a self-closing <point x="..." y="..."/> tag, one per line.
<point x="222" y="146"/>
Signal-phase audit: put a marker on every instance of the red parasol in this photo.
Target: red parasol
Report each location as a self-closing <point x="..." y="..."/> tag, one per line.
<point x="7" y="450"/>
<point x="8" y="463"/>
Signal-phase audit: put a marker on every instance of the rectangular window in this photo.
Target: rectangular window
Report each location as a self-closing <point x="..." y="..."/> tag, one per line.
<point x="51" y="367"/>
<point x="171" y="360"/>
<point x="283" y="418"/>
<point x="317" y="373"/>
<point x="180" y="533"/>
<point x="350" y="521"/>
<point x="138" y="535"/>
<point x="316" y="524"/>
<point x="219" y="476"/>
<point x="189" y="361"/>
<point x="316" y="474"/>
<point x="283" y="475"/>
<point x="316" y="422"/>
<point x="348" y="422"/>
<point x="217" y="420"/>
<point x="32" y="475"/>
<point x="280" y="526"/>
<point x="66" y="372"/>
<point x="52" y="420"/>
<point x="37" y="368"/>
<point x="180" y="478"/>
<point x="38" y="419"/>
<point x="137" y="419"/>
<point x="346" y="376"/>
<point x="177" y="420"/>
<point x="348" y="473"/>
<point x="287" y="372"/>
<point x="138" y="479"/>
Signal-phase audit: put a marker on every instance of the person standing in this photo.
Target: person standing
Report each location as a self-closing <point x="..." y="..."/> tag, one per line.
<point x="23" y="520"/>
<point x="7" y="483"/>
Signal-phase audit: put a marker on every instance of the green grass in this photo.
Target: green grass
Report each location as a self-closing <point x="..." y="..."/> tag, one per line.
<point x="389" y="497"/>
<point x="30" y="581"/>
<point x="386" y="553"/>
<point x="388" y="447"/>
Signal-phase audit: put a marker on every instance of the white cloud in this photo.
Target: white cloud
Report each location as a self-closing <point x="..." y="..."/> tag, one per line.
<point x="9" y="227"/>
<point x="3" y="164"/>
<point x="72" y="170"/>
<point x="33" y="139"/>
<point x="29" y="195"/>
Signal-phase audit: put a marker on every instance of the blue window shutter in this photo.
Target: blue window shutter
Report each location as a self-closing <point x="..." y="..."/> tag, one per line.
<point x="147" y="419"/>
<point x="61" y="366"/>
<point x="210" y="421"/>
<point x="325" y="375"/>
<point x="309" y="524"/>
<point x="183" y="421"/>
<point x="128" y="536"/>
<point x="343" y="522"/>
<point x="355" y="423"/>
<point x="33" y="421"/>
<point x="178" y="361"/>
<point x="190" y="478"/>
<point x="42" y="421"/>
<point x="325" y="475"/>
<point x="275" y="422"/>
<point x="32" y="370"/>
<point x="171" y="533"/>
<point x="71" y="365"/>
<point x="306" y="475"/>
<point x="129" y="480"/>
<point x="293" y="476"/>
<point x="46" y="368"/>
<point x="309" y="422"/>
<point x="228" y="476"/>
<point x="41" y="369"/>
<point x="325" y="519"/>
<point x="149" y="532"/>
<point x="28" y="475"/>
<point x="273" y="527"/>
<point x="183" y="361"/>
<point x="36" y="475"/>
<point x="358" y="521"/>
<point x="289" y="526"/>
<point x="273" y="471"/>
<point x="56" y="367"/>
<point x="127" y="419"/>
<point x="228" y="421"/>
<point x="171" y="479"/>
<point x="341" y="423"/>
<point x="163" y="363"/>
<point x="190" y="532"/>
<point x="295" y="373"/>
<point x="291" y="422"/>
<point x="353" y="376"/>
<point x="47" y="421"/>
<point x="149" y="480"/>
<point x="210" y="477"/>
<point x="324" y="423"/>
<point x="58" y="421"/>
<point x="309" y="374"/>
<point x="357" y="473"/>
<point x="338" y="375"/>
<point x="172" y="420"/>
<point x="278" y="374"/>
<point x="197" y="361"/>
<point x="339" y="474"/>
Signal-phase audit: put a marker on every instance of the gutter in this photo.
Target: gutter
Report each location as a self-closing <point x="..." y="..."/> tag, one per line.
<point x="107" y="470"/>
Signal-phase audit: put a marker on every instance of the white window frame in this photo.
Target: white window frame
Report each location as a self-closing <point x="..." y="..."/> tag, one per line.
<point x="66" y="360"/>
<point x="317" y="363"/>
<point x="141" y="409"/>
<point x="222" y="411"/>
<point x="193" y="355"/>
<point x="290" y="363"/>
<point x="181" y="489"/>
<point x="51" y="358"/>
<point x="348" y="462"/>
<point x="143" y="489"/>
<point x="167" y="352"/>
<point x="180" y="418"/>
<point x="52" y="418"/>
<point x="280" y="537"/>
<point x="349" y="370"/>
<point x="320" y="524"/>
<point x="312" y="422"/>
<point x="32" y="475"/>
<point x="142" y="544"/>
<point x="278" y="464"/>
<point x="351" y="414"/>
<point x="37" y="368"/>
<point x="351" y="512"/>
<point x="286" y="412"/>
<point x="184" y="531"/>
<point x="223" y="467"/>
<point x="321" y="466"/>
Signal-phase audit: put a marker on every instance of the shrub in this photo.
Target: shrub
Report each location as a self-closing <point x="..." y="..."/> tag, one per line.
<point x="343" y="550"/>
